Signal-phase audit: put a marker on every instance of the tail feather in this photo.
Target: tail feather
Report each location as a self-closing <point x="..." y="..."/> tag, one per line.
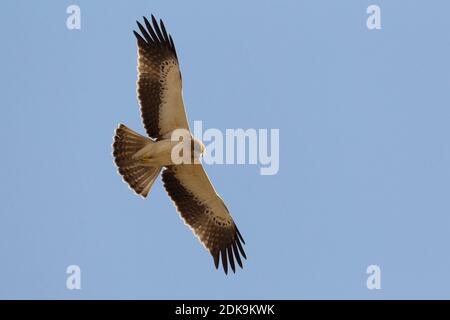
<point x="139" y="177"/>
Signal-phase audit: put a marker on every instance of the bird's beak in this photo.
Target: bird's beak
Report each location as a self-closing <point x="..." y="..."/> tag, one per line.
<point x="203" y="149"/>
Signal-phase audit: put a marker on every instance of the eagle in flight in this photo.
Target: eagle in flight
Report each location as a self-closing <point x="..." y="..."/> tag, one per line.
<point x="140" y="159"/>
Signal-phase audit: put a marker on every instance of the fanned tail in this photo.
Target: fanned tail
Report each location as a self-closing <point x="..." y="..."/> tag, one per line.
<point x="139" y="177"/>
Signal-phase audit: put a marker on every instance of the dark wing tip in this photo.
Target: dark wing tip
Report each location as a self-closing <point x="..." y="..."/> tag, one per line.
<point x="155" y="33"/>
<point x="240" y="236"/>
<point x="236" y="255"/>
<point x="216" y="259"/>
<point x="241" y="249"/>
<point x="230" y="258"/>
<point x="230" y="254"/>
<point x="144" y="32"/>
<point x="157" y="29"/>
<point x="164" y="32"/>
<point x="138" y="36"/>
<point x="223" y="253"/>
<point x="154" y="20"/>
<point x="172" y="45"/>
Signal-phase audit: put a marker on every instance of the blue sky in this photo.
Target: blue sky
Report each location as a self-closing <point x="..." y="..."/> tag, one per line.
<point x="364" y="149"/>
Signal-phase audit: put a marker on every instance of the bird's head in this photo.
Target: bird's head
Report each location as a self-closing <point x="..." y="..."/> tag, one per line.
<point x="199" y="148"/>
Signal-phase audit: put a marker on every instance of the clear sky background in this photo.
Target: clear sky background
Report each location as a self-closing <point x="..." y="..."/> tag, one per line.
<point x="364" y="149"/>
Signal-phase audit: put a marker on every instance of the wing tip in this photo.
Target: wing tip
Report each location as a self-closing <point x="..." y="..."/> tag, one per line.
<point x="224" y="260"/>
<point x="216" y="259"/>
<point x="230" y="256"/>
<point x="231" y="259"/>
<point x="138" y="36"/>
<point x="155" y="33"/>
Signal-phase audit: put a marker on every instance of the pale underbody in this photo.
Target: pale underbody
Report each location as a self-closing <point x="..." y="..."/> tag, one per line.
<point x="161" y="152"/>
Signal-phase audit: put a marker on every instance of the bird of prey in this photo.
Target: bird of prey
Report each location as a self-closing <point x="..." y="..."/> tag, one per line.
<point x="140" y="159"/>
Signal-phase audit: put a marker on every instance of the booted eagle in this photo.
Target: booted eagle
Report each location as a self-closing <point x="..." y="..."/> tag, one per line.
<point x="140" y="159"/>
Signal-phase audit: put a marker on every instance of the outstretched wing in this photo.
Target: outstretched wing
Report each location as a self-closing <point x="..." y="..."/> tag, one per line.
<point x="159" y="86"/>
<point x="205" y="212"/>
